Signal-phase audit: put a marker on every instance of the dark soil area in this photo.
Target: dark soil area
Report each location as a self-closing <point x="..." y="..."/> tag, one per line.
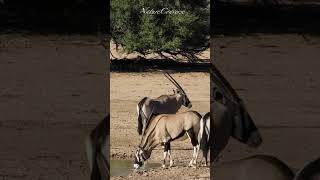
<point x="53" y="92"/>
<point x="157" y="65"/>
<point x="234" y="19"/>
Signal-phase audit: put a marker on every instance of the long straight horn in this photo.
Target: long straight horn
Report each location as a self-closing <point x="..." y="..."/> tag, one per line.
<point x="166" y="75"/>
<point x="170" y="79"/>
<point x="174" y="82"/>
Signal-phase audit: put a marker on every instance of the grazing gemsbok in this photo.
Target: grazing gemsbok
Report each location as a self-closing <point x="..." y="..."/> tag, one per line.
<point x="311" y="171"/>
<point x="97" y="149"/>
<point x="165" y="128"/>
<point x="258" y="167"/>
<point x="230" y="118"/>
<point x="165" y="104"/>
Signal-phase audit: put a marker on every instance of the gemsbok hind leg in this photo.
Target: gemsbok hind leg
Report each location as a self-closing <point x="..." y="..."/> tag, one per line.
<point x="167" y="152"/>
<point x="196" y="147"/>
<point x="205" y="155"/>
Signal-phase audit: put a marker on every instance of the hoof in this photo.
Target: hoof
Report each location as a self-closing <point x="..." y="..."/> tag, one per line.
<point x="136" y="166"/>
<point x="171" y="163"/>
<point x="194" y="165"/>
<point x="163" y="166"/>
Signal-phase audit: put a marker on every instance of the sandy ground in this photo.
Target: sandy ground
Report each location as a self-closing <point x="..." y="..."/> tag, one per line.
<point x="52" y="93"/>
<point x="127" y="89"/>
<point x="278" y="78"/>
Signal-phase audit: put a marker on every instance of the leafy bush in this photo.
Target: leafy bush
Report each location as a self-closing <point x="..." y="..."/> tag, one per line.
<point x="184" y="34"/>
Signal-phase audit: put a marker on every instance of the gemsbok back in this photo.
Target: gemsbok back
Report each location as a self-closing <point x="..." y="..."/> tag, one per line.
<point x="164" y="104"/>
<point x="165" y="128"/>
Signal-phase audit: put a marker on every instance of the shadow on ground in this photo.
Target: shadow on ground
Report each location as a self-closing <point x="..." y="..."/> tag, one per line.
<point x="147" y="65"/>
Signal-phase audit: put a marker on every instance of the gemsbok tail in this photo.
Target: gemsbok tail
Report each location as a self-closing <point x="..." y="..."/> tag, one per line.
<point x="139" y="111"/>
<point x="204" y="132"/>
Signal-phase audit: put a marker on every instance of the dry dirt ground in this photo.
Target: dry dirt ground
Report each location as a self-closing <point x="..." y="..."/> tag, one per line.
<point x="127" y="89"/>
<point x="52" y="93"/>
<point x="278" y="78"/>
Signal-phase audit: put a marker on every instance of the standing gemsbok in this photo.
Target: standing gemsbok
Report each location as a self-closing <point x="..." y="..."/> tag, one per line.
<point x="229" y="119"/>
<point x="165" y="104"/>
<point x="224" y="126"/>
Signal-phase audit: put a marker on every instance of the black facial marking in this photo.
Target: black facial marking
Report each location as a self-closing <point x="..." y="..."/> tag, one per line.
<point x="138" y="159"/>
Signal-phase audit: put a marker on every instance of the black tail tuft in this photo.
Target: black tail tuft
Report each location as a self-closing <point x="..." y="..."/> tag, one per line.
<point x="140" y="123"/>
<point x="204" y="144"/>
